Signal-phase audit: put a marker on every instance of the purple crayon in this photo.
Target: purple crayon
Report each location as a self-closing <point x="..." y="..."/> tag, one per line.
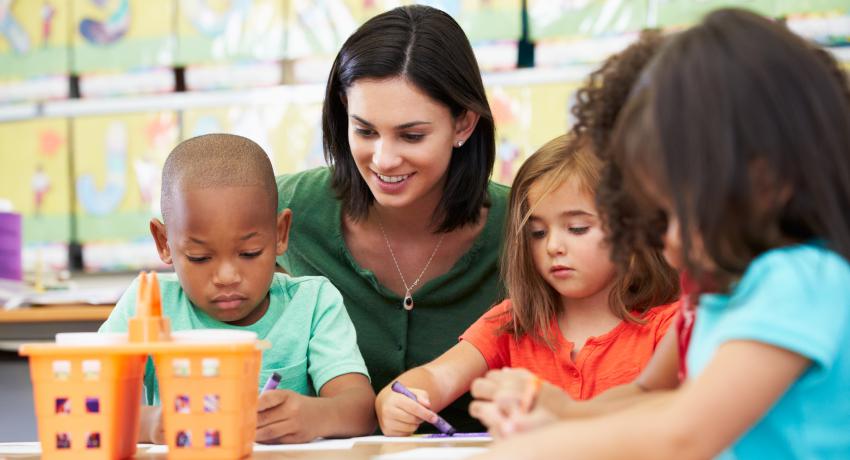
<point x="441" y="423"/>
<point x="272" y="382"/>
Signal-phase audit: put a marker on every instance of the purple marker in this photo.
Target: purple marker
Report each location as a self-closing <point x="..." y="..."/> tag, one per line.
<point x="441" y="423"/>
<point x="272" y="382"/>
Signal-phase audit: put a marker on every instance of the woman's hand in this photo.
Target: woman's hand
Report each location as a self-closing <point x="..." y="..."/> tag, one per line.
<point x="399" y="415"/>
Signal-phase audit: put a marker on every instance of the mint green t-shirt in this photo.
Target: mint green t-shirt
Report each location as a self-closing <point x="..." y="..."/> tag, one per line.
<point x="312" y="338"/>
<point x="391" y="338"/>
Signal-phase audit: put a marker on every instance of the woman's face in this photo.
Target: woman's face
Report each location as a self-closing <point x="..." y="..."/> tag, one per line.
<point x="402" y="140"/>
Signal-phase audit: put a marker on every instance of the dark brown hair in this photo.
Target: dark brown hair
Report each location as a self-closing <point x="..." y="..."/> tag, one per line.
<point x="745" y="128"/>
<point x="428" y="48"/>
<point x="645" y="283"/>
<point x="604" y="93"/>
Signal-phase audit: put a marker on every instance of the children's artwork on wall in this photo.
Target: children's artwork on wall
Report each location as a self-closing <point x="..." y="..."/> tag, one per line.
<point x="34" y="43"/>
<point x="526" y="116"/>
<point x="117" y="163"/>
<point x="681" y="13"/>
<point x="483" y="20"/>
<point x="319" y="27"/>
<point x="216" y="31"/>
<point x="572" y="19"/>
<point x="289" y="132"/>
<point x="35" y="178"/>
<point x="122" y="35"/>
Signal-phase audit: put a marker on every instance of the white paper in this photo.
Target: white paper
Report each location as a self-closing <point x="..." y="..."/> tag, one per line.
<point x="319" y="444"/>
<point x="12" y="448"/>
<point x="433" y="453"/>
<point x="422" y="438"/>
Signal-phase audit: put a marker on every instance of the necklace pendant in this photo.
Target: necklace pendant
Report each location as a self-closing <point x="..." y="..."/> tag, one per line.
<point x="407" y="303"/>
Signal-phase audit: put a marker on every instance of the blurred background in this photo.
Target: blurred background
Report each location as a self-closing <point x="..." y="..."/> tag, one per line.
<point x="95" y="93"/>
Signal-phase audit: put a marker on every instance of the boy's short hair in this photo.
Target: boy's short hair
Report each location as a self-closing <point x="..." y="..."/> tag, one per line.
<point x="216" y="160"/>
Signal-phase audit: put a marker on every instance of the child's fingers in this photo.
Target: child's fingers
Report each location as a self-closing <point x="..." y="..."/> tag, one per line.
<point x="276" y="432"/>
<point x="422" y="397"/>
<point x="415" y="411"/>
<point x="483" y="388"/>
<point x="272" y="398"/>
<point x="488" y="414"/>
<point x="398" y="427"/>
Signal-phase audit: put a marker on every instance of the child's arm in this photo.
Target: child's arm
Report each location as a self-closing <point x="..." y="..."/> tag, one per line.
<point x="344" y="408"/>
<point x="699" y="420"/>
<point x="436" y="385"/>
<point x="501" y="393"/>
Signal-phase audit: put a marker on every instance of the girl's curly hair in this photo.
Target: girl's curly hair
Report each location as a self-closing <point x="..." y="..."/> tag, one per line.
<point x="598" y="104"/>
<point x="604" y="93"/>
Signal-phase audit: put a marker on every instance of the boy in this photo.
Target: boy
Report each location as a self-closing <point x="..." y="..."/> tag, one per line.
<point x="221" y="231"/>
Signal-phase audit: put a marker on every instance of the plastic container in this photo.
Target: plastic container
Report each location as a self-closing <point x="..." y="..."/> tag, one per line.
<point x="208" y="389"/>
<point x="86" y="400"/>
<point x="87" y="388"/>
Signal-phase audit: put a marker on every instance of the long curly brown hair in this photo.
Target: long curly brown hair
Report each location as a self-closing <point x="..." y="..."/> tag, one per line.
<point x="598" y="104"/>
<point x="744" y="128"/>
<point x="604" y="93"/>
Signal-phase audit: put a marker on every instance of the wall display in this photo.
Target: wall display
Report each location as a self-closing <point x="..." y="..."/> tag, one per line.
<point x="527" y="116"/>
<point x="122" y="35"/>
<point x="217" y="31"/>
<point x="34" y="44"/>
<point x="35" y="178"/>
<point x="117" y="166"/>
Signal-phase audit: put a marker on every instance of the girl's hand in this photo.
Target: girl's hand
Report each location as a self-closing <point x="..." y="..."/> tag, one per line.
<point x="501" y="424"/>
<point x="399" y="415"/>
<point x="287" y="417"/>
<point x="512" y="390"/>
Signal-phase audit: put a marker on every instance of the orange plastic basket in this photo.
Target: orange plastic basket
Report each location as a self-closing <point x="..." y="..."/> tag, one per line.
<point x="87" y="388"/>
<point x="86" y="400"/>
<point x="209" y="398"/>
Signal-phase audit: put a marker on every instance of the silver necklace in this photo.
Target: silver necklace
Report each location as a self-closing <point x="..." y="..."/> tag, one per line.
<point x="407" y="303"/>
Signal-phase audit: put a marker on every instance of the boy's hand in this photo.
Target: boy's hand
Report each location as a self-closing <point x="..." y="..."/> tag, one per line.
<point x="286" y="417"/>
<point x="399" y="415"/>
<point x="150" y="426"/>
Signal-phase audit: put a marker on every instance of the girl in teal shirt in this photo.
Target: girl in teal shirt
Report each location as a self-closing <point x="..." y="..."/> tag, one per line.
<point x="738" y="133"/>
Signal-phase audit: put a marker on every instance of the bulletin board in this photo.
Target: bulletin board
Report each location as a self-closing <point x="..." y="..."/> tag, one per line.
<point x="35" y="178"/>
<point x="527" y="116"/>
<point x="122" y="35"/>
<point x="117" y="167"/>
<point x="34" y="38"/>
<point x="565" y="19"/>
<point x="286" y="131"/>
<point x="230" y="30"/>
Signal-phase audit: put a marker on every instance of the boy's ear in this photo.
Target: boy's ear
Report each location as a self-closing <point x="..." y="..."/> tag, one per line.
<point x="284" y="221"/>
<point x="161" y="239"/>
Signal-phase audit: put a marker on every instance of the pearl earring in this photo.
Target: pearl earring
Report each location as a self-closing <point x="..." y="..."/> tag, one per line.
<point x="458" y="144"/>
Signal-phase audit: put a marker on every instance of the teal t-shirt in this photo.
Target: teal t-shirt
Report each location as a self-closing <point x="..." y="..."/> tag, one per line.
<point x="796" y="298"/>
<point x="312" y="338"/>
<point x="391" y="338"/>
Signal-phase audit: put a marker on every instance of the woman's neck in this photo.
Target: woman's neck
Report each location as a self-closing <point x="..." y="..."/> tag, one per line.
<point x="416" y="218"/>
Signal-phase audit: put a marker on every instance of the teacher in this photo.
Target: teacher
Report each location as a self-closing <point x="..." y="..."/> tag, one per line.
<point x="405" y="221"/>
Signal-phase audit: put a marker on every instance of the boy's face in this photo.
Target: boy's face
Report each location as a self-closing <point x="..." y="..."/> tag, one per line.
<point x="223" y="242"/>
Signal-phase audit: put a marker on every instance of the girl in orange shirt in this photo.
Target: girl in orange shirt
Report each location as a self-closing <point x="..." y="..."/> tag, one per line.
<point x="572" y="319"/>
